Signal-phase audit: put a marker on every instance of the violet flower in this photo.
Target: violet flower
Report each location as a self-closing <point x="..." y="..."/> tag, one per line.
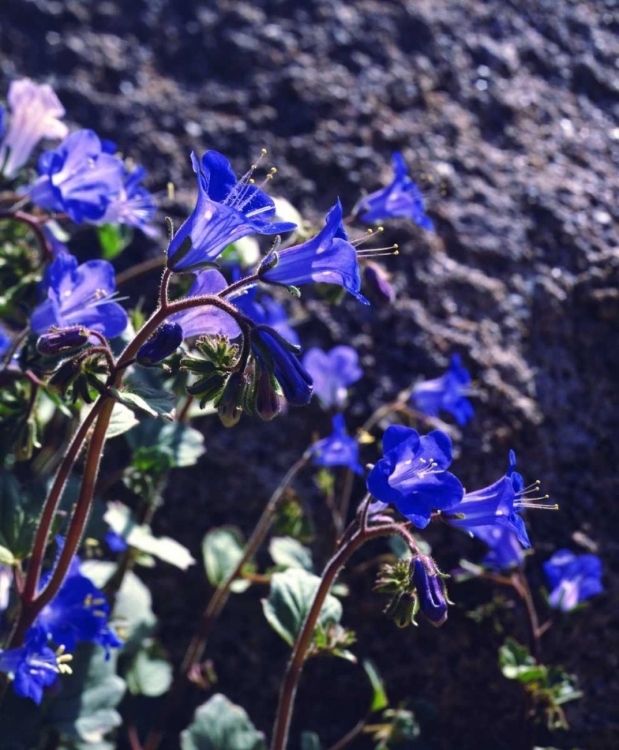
<point x="35" y="114"/>
<point x="226" y="210"/>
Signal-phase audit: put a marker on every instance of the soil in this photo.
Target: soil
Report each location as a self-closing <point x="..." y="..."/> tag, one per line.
<point x="512" y="109"/>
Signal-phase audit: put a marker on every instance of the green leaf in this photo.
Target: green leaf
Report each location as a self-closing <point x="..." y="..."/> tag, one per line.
<point x="120" y="520"/>
<point x="222" y="550"/>
<point x="182" y="443"/>
<point x="85" y="708"/>
<point x="290" y="599"/>
<point x="19" y="512"/>
<point x="310" y="741"/>
<point x="379" y="695"/>
<point x="290" y="553"/>
<point x="6" y="556"/>
<point x="219" y="724"/>
<point x="154" y="402"/>
<point x="122" y="420"/>
<point x="113" y="238"/>
<point x="517" y="663"/>
<point x="150" y="674"/>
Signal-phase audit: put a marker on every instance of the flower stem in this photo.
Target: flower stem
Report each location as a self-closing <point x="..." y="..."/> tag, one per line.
<point x="304" y="639"/>
<point x="218" y="601"/>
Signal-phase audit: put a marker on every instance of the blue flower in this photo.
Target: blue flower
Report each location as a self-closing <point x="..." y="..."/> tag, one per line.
<point x="133" y="206"/>
<point x="5" y="341"/>
<point x="226" y="210"/>
<point x="78" y="612"/>
<point x="78" y="178"/>
<point x="505" y="549"/>
<point x="35" y="114"/>
<point x="80" y="295"/>
<point x="333" y="372"/>
<point x="447" y="392"/>
<point x="326" y="258"/>
<point x="400" y="199"/>
<point x="495" y="505"/>
<point x="266" y="311"/>
<point x="277" y="356"/>
<point x="412" y="474"/>
<point x="431" y="590"/>
<point x="115" y="542"/>
<point x="34" y="665"/>
<point x="573" y="578"/>
<point x="166" y="340"/>
<point x="339" y="449"/>
<point x="206" y="319"/>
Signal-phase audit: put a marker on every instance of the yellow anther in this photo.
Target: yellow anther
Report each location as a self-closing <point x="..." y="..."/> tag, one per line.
<point x="273" y="170"/>
<point x="252" y="181"/>
<point x="171" y="191"/>
<point x="263" y="152"/>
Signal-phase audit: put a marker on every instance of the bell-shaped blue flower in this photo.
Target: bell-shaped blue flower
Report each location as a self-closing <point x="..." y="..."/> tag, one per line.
<point x="505" y="551"/>
<point x="35" y="114"/>
<point x="495" y="505"/>
<point x="206" y="319"/>
<point x="431" y="590"/>
<point x="333" y="372"/>
<point x="78" y="178"/>
<point x="79" y="612"/>
<point x="327" y="258"/>
<point x="34" y="665"/>
<point x="80" y="295"/>
<point x="573" y="578"/>
<point x="133" y="205"/>
<point x="447" y="393"/>
<point x="400" y="199"/>
<point x="413" y="476"/>
<point x="339" y="449"/>
<point x="278" y="357"/>
<point x="226" y="210"/>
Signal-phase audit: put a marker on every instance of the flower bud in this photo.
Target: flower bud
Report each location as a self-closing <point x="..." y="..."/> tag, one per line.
<point x="230" y="406"/>
<point x="62" y="340"/>
<point x="166" y="340"/>
<point x="431" y="590"/>
<point x="267" y="402"/>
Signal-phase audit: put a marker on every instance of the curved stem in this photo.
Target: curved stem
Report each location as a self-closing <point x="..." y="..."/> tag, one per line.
<point x="240" y="284"/>
<point x="51" y="505"/>
<point x="218" y="601"/>
<point x="35" y="225"/>
<point x="520" y="583"/>
<point x="304" y="639"/>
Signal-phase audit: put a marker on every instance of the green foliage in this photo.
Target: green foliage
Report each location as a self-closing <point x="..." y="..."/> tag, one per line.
<point x="290" y="553"/>
<point x="379" y="694"/>
<point x="19" y="510"/>
<point x="150" y="673"/>
<point x="181" y="444"/>
<point x="290" y="599"/>
<point x="549" y="687"/>
<point x="139" y="536"/>
<point x="291" y="520"/>
<point x="310" y="741"/>
<point x="153" y="402"/>
<point x="85" y="710"/>
<point x="114" y="238"/>
<point x="222" y="549"/>
<point x="219" y="724"/>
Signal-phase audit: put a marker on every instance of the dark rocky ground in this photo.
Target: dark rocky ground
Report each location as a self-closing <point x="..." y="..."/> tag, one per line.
<point x="515" y="105"/>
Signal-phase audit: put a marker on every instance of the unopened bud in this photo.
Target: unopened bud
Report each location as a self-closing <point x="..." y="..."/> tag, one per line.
<point x="62" y="340"/>
<point x="166" y="340"/>
<point x="431" y="590"/>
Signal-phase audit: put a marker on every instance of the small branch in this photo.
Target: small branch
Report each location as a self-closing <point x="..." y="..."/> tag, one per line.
<point x="35" y="224"/>
<point x="240" y="284"/>
<point x="521" y="585"/>
<point x="195" y="650"/>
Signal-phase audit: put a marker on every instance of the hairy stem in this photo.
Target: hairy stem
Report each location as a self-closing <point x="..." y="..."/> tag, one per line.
<point x="304" y="639"/>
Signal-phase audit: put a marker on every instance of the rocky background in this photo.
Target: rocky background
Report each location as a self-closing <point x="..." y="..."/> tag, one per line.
<point x="511" y="109"/>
